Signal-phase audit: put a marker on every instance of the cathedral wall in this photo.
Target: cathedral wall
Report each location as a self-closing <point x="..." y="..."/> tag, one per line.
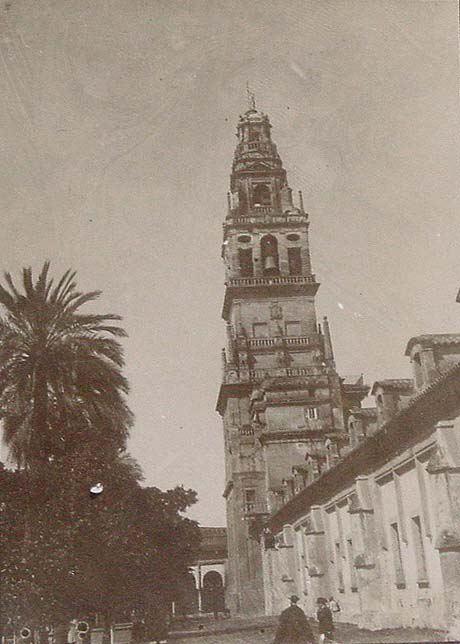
<point x="376" y="549"/>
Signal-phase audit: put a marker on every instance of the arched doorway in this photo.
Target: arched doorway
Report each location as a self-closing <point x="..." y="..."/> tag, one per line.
<point x="212" y="595"/>
<point x="187" y="603"/>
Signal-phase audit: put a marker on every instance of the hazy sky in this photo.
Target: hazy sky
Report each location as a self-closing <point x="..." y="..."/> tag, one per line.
<point x="117" y="134"/>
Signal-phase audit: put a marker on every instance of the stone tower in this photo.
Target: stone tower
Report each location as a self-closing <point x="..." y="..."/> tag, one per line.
<point x="282" y="403"/>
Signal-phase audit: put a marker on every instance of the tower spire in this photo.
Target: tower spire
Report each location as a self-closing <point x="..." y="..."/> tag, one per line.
<point x="251" y="98"/>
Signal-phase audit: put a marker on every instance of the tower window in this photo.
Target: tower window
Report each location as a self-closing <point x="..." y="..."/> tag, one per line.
<point x="420" y="557"/>
<point x="246" y="263"/>
<point x="292" y="237"/>
<point x="254" y="135"/>
<point x="397" y="555"/>
<point x="351" y="563"/>
<point x="242" y="200"/>
<point x="295" y="261"/>
<point x="338" y="562"/>
<point x="269" y="252"/>
<point x="311" y="413"/>
<point x="249" y="500"/>
<point x="261" y="195"/>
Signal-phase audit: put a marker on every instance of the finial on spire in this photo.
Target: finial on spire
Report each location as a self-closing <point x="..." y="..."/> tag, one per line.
<point x="251" y="98"/>
<point x="301" y="201"/>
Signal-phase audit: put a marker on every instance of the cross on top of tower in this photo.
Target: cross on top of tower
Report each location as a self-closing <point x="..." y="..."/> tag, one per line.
<point x="251" y="99"/>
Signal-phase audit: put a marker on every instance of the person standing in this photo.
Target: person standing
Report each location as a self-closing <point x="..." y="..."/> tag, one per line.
<point x="334" y="605"/>
<point x="324" y="617"/>
<point x="293" y="626"/>
<point x="72" y="632"/>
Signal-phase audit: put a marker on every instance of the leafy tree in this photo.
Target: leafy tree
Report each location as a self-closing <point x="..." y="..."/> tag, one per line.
<point x="129" y="548"/>
<point x="65" y="551"/>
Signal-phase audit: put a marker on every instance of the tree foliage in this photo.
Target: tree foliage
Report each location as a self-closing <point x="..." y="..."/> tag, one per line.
<point x="61" y="382"/>
<point x="107" y="554"/>
<point x="66" y="552"/>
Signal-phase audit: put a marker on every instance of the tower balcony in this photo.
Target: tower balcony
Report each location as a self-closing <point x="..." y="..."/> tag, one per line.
<point x="278" y="280"/>
<point x="313" y="340"/>
<point x="264" y="215"/>
<point x="255" y="508"/>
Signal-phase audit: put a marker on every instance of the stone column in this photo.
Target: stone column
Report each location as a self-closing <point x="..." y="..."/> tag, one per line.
<point x="290" y="567"/>
<point x="316" y="553"/>
<point x="267" y="563"/>
<point x="428" y="365"/>
<point x="199" y="587"/>
<point x="444" y="470"/>
<point x="365" y="556"/>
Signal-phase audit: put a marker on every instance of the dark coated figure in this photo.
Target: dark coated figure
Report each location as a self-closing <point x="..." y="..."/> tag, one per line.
<point x="293" y="626"/>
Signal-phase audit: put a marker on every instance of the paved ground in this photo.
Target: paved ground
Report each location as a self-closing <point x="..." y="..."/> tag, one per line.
<point x="344" y="634"/>
<point x="263" y="633"/>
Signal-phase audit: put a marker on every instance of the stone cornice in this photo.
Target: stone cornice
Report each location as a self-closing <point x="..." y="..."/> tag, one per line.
<point x="235" y="389"/>
<point x="293" y="435"/>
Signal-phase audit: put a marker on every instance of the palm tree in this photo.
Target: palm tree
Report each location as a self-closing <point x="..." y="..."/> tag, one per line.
<point x="60" y="371"/>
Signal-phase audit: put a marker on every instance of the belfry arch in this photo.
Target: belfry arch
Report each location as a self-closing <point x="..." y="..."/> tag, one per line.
<point x="261" y="195"/>
<point x="269" y="255"/>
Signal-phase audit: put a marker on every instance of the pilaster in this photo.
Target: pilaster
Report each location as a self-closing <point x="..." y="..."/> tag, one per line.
<point x="365" y="543"/>
<point x="316" y="554"/>
<point x="444" y="470"/>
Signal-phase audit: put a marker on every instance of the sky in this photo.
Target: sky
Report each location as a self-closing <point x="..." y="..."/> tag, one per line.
<point x="117" y="131"/>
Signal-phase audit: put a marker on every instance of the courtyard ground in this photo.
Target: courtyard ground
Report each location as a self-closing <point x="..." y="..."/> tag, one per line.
<point x="263" y="632"/>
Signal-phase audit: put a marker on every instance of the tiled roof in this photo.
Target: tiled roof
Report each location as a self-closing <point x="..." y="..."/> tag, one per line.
<point x="213" y="540"/>
<point x="406" y="384"/>
<point x="353" y="379"/>
<point x="430" y="339"/>
<point x="369" y="412"/>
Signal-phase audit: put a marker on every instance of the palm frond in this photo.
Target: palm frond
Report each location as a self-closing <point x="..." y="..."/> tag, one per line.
<point x="40" y="286"/>
<point x="28" y="283"/>
<point x="81" y="299"/>
<point x="13" y="288"/>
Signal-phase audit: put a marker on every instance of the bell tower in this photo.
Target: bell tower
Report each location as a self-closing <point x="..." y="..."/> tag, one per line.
<point x="281" y="399"/>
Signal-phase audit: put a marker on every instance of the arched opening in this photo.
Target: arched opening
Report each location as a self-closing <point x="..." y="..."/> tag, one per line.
<point x="212" y="597"/>
<point x="242" y="201"/>
<point x="187" y="602"/>
<point x="418" y="372"/>
<point x="261" y="195"/>
<point x="269" y="252"/>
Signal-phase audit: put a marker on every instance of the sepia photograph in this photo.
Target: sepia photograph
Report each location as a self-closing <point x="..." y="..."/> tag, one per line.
<point x="229" y="321"/>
